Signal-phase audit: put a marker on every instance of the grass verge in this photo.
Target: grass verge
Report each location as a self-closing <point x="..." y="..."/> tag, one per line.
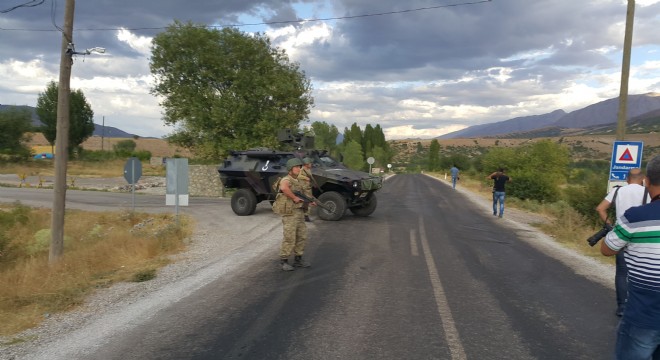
<point x="99" y="249"/>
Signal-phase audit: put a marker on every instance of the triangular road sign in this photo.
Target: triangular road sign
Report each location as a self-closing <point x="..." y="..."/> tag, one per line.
<point x="626" y="156"/>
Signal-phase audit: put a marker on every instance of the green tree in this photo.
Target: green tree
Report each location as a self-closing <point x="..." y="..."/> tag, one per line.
<point x="537" y="169"/>
<point x="381" y="156"/>
<point x="81" y="116"/>
<point x="14" y="126"/>
<point x="353" y="134"/>
<point x="462" y="161"/>
<point x="325" y="135"/>
<point x="225" y="89"/>
<point x="353" y="156"/>
<point x="434" y="155"/>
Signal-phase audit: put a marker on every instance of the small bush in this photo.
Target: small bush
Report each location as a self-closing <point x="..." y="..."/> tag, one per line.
<point x="144" y="275"/>
<point x="143" y="155"/>
<point x="124" y="148"/>
<point x="100" y="155"/>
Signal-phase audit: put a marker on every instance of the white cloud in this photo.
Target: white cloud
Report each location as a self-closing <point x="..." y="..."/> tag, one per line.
<point x="141" y="44"/>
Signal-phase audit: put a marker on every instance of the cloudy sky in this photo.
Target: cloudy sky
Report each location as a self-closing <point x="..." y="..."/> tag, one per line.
<point x="419" y="68"/>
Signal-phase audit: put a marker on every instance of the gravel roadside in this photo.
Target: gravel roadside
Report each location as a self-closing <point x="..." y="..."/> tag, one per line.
<point x="218" y="247"/>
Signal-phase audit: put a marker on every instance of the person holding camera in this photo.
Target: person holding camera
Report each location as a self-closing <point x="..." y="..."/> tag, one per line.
<point x="637" y="235"/>
<point x="623" y="198"/>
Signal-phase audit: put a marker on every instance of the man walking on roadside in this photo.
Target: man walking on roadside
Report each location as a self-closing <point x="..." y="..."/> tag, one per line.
<point x="637" y="234"/>
<point x="499" y="180"/>
<point x="623" y="198"/>
<point x="454" y="175"/>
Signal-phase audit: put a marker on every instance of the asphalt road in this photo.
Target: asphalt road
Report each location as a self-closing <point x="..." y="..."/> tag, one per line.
<point x="108" y="201"/>
<point x="428" y="276"/>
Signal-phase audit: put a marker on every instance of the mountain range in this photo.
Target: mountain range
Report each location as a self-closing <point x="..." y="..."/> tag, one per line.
<point x="640" y="108"/>
<point x="602" y="116"/>
<point x="99" y="130"/>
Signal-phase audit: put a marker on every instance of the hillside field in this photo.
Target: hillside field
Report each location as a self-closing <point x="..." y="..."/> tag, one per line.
<point x="581" y="147"/>
<point x="157" y="147"/>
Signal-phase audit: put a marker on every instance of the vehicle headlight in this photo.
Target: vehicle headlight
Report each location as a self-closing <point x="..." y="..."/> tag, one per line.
<point x="356" y="184"/>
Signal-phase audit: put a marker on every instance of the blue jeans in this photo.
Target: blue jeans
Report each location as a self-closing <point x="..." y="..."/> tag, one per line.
<point x="498" y="196"/>
<point x="453" y="182"/>
<point x="634" y="343"/>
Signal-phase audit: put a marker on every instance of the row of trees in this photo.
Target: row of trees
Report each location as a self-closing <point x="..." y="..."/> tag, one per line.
<point x="16" y="123"/>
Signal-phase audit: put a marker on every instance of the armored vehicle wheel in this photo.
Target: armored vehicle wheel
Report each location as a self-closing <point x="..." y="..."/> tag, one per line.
<point x="367" y="209"/>
<point x="244" y="202"/>
<point x="334" y="201"/>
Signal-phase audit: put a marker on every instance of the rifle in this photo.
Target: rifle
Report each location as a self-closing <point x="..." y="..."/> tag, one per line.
<point x="308" y="200"/>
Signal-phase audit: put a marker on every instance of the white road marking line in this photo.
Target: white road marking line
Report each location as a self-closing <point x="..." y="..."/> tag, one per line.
<point x="448" y="325"/>
<point x="413" y="243"/>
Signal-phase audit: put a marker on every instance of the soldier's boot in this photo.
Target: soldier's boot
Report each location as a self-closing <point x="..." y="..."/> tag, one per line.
<point x="299" y="262"/>
<point x="285" y="265"/>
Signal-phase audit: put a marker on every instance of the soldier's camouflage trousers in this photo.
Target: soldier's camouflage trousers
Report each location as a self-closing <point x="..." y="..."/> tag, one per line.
<point x="295" y="234"/>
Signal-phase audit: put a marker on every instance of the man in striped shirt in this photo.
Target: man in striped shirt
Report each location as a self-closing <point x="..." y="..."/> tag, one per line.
<point x="637" y="234"/>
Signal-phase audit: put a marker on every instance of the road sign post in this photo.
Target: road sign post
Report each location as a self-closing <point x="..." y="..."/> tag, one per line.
<point x="132" y="173"/>
<point x="371" y="161"/>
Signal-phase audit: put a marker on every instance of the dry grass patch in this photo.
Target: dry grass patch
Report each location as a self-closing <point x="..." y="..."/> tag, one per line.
<point x="99" y="249"/>
<point x="90" y="169"/>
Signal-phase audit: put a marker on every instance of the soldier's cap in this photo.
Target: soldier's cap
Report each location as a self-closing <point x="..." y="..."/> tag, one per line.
<point x="291" y="163"/>
<point x="307" y="161"/>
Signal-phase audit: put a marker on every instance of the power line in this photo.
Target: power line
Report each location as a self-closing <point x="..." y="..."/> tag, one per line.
<point x="31" y="3"/>
<point x="360" y="16"/>
<point x="53" y="6"/>
<point x="348" y="17"/>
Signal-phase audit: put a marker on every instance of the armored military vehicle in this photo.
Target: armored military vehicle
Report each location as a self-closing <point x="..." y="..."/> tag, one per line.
<point x="253" y="173"/>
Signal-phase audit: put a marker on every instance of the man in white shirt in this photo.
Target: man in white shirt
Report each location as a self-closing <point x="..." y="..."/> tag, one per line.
<point x="630" y="195"/>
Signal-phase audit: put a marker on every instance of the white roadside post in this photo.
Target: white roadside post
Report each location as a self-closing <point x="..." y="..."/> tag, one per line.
<point x="177" y="184"/>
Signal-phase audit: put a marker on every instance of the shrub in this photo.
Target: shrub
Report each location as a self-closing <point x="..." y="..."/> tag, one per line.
<point x="124" y="148"/>
<point x="530" y="186"/>
<point x="143" y="155"/>
<point x="98" y="155"/>
<point x="585" y="197"/>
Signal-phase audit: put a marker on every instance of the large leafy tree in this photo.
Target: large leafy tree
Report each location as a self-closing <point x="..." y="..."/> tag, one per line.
<point x="81" y="116"/>
<point x="14" y="128"/>
<point x="325" y="136"/>
<point x="225" y="89"/>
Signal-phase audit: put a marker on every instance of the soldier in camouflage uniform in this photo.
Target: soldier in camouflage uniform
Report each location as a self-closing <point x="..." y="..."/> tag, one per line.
<point x="306" y="178"/>
<point x="293" y="223"/>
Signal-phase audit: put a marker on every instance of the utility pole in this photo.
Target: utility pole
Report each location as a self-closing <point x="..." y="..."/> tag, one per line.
<point x="102" y="132"/>
<point x="625" y="73"/>
<point x="62" y="137"/>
